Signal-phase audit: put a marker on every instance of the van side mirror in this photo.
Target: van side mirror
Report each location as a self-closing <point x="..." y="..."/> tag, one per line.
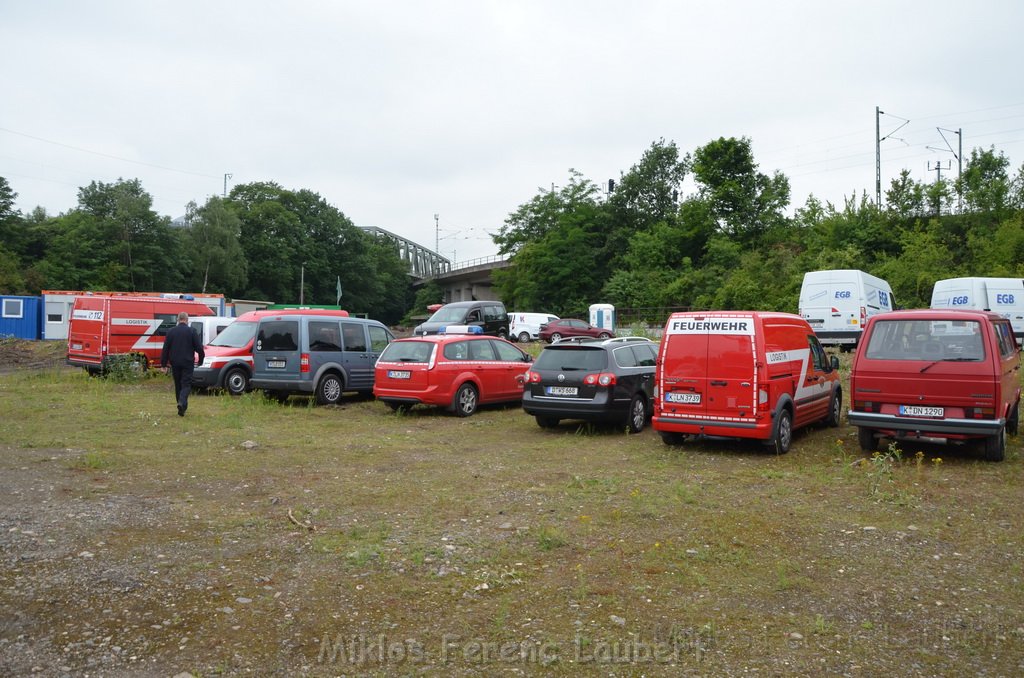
<point x="834" y="363"/>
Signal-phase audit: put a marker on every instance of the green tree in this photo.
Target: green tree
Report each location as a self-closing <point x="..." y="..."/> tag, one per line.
<point x="11" y="228"/>
<point x="985" y="182"/>
<point x="905" y="197"/>
<point x="745" y="202"/>
<point x="211" y="239"/>
<point x="557" y="243"/>
<point x="296" y="239"/>
<point x="923" y="259"/>
<point x="113" y="240"/>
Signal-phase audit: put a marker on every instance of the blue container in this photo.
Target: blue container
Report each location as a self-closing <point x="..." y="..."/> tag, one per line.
<point x="21" y="317"/>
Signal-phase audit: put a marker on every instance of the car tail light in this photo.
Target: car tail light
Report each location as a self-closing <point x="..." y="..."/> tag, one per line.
<point x="979" y="413"/>
<point x="602" y="379"/>
<point x="304" y="363"/>
<point x="863" y="316"/>
<point x="533" y="377"/>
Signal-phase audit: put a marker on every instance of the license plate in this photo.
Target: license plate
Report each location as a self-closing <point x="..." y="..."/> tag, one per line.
<point x="676" y="397"/>
<point x="275" y="364"/>
<point x="919" y="411"/>
<point x="815" y="321"/>
<point x="76" y="347"/>
<point x="399" y="374"/>
<point x="561" y="390"/>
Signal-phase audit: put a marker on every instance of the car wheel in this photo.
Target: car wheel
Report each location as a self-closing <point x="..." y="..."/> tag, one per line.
<point x="328" y="391"/>
<point x="547" y="422"/>
<point x="524" y="337"/>
<point x="995" y="446"/>
<point x="604" y="335"/>
<point x="236" y="381"/>
<point x="672" y="438"/>
<point x="866" y="439"/>
<point x="555" y="336"/>
<point x="835" y="408"/>
<point x="503" y="334"/>
<point x="465" y="401"/>
<point x="783" y="433"/>
<point x="637" y="414"/>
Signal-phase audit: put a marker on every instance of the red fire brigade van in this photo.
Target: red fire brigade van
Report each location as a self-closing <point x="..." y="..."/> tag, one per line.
<point x="104" y="326"/>
<point x="743" y="374"/>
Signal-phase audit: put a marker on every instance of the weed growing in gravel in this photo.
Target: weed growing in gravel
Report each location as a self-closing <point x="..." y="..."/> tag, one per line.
<point x="550" y="537"/>
<point x="94" y="461"/>
<point x="881" y="470"/>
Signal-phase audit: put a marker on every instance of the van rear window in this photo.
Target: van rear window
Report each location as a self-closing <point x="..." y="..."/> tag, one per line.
<point x="278" y="335"/>
<point x="926" y="340"/>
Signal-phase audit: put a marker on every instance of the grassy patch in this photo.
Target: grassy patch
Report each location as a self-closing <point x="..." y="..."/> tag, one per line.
<point x="348" y="527"/>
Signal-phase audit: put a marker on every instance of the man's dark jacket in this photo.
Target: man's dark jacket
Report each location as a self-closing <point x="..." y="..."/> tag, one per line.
<point x="180" y="346"/>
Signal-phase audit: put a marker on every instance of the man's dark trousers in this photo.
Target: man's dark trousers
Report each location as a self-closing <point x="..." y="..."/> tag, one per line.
<point x="182" y="384"/>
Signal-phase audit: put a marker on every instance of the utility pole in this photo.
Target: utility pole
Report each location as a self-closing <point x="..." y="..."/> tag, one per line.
<point x="437" y="234"/>
<point x="938" y="178"/>
<point x="959" y="155"/>
<point x="878" y="150"/>
<point x="226" y="177"/>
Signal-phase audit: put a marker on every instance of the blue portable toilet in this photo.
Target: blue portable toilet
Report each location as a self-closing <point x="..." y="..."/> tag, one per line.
<point x="21" y="317"/>
<point x="603" y="316"/>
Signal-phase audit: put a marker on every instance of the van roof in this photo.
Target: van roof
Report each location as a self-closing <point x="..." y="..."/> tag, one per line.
<point x="256" y="315"/>
<point x="938" y="314"/>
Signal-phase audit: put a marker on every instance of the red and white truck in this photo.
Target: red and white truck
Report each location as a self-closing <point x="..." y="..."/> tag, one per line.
<point x="743" y="374"/>
<point x="103" y="326"/>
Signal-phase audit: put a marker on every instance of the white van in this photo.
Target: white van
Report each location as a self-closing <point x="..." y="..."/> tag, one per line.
<point x="1004" y="296"/>
<point x="525" y="327"/>
<point x="209" y="326"/>
<point x="838" y="303"/>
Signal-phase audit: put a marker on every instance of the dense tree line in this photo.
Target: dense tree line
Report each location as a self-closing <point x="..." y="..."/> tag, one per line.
<point x="729" y="244"/>
<point x="259" y="242"/>
<point x="726" y="243"/>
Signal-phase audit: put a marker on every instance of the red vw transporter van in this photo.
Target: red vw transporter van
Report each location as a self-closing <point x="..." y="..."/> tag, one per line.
<point x="936" y="374"/>
<point x="743" y="374"/>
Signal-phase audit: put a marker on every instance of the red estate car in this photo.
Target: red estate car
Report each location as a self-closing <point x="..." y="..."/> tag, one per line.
<point x="571" y="327"/>
<point x="456" y="370"/>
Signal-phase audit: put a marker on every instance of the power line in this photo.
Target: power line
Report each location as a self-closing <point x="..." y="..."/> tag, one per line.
<point x="106" y="155"/>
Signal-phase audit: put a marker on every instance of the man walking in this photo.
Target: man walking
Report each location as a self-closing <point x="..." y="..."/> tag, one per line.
<point x="180" y="346"/>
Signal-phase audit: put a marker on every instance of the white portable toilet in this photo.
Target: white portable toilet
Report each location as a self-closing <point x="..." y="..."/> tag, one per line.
<point x="603" y="316"/>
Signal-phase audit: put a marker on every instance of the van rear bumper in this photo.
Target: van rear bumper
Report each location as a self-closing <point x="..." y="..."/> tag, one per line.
<point x="843" y="337"/>
<point x="733" y="429"/>
<point x="289" y="385"/>
<point x="889" y="422"/>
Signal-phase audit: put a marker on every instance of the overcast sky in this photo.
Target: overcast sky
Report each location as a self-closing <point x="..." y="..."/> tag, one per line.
<point x="396" y="111"/>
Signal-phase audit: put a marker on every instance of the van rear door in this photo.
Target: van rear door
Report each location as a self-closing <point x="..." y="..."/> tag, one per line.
<point x="276" y="349"/>
<point x="730" y="382"/>
<point x="709" y="366"/>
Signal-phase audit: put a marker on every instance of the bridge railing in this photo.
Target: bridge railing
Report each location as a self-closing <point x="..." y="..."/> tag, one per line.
<point x="479" y="261"/>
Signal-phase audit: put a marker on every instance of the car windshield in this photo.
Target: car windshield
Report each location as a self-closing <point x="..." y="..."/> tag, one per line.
<point x="448" y="315"/>
<point x="569" y="359"/>
<point x="407" y="352"/>
<point x="928" y="340"/>
<point x="235" y="335"/>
